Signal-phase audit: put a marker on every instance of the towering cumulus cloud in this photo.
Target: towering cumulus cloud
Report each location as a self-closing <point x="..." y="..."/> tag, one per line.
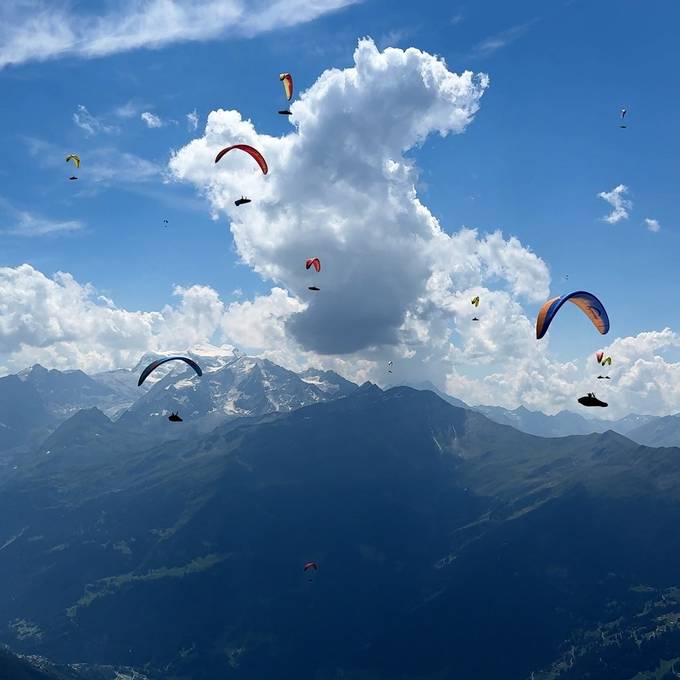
<point x="341" y="188"/>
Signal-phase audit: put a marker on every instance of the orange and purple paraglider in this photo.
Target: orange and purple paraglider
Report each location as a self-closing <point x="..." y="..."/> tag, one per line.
<point x="585" y="301"/>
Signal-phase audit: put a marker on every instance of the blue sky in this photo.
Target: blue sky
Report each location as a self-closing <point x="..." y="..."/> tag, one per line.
<point x="543" y="144"/>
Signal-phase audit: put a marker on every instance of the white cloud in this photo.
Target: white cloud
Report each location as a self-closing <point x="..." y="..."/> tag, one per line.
<point x="17" y="222"/>
<point x="37" y="30"/>
<point x="151" y="120"/>
<point x="341" y="188"/>
<point x="89" y="123"/>
<point x="128" y="110"/>
<point x="192" y="121"/>
<point x="61" y="323"/>
<point x="497" y="42"/>
<point x="652" y="225"/>
<point x="619" y="203"/>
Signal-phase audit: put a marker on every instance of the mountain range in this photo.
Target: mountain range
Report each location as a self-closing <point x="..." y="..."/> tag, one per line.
<point x="36" y="401"/>
<point x="448" y="545"/>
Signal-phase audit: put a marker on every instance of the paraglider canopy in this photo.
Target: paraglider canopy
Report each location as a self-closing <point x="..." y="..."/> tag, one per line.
<point x="287" y="82"/>
<point x="313" y="262"/>
<point x="159" y="362"/>
<point x="74" y="158"/>
<point x="585" y="301"/>
<point x="311" y="566"/>
<point x="475" y="301"/>
<point x="599" y="355"/>
<point x="251" y="151"/>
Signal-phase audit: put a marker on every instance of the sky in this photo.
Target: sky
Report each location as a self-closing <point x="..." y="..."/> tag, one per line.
<point x="436" y="151"/>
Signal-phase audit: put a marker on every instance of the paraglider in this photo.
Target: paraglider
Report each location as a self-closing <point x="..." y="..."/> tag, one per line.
<point x="251" y="151"/>
<point x="585" y="301"/>
<point x="75" y="159"/>
<point x="310" y="568"/>
<point x="591" y="400"/>
<point x="242" y="201"/>
<point x="175" y="418"/>
<point x="475" y="301"/>
<point x="159" y="362"/>
<point x="389" y="367"/>
<point x="287" y="82"/>
<point x="603" y="377"/>
<point x="623" y="115"/>
<point x="165" y="223"/>
<point x="602" y="359"/>
<point x="313" y="262"/>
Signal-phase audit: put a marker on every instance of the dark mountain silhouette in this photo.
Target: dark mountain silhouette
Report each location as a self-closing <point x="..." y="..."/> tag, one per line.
<point x="448" y="547"/>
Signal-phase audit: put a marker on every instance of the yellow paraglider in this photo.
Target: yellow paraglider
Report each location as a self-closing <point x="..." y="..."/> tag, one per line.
<point x="75" y="159"/>
<point x="475" y="301"/>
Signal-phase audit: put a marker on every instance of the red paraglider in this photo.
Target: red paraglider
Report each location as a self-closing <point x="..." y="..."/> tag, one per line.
<point x="251" y="151"/>
<point x="313" y="262"/>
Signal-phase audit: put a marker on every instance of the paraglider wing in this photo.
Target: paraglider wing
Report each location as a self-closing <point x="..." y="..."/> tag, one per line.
<point x="475" y="301"/>
<point x="259" y="158"/>
<point x="599" y="356"/>
<point x="75" y="158"/>
<point x="313" y="262"/>
<point x="159" y="362"/>
<point x="586" y="302"/>
<point x="607" y="361"/>
<point x="287" y="81"/>
<point x="311" y="566"/>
